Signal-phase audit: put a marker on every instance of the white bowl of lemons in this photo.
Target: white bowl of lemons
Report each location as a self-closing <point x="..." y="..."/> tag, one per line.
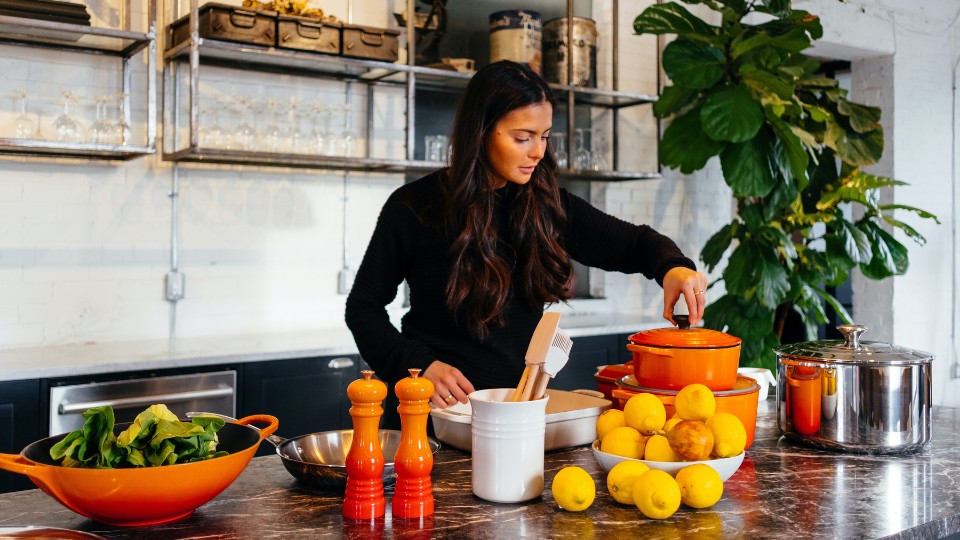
<point x="724" y="466"/>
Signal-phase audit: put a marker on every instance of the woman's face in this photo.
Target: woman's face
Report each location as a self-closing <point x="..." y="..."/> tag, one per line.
<point x="517" y="143"/>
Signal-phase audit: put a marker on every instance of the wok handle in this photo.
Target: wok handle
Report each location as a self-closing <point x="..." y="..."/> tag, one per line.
<point x="16" y="463"/>
<point x="271" y="421"/>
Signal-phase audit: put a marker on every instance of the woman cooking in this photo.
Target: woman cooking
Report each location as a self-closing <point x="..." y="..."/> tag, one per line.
<point x="486" y="243"/>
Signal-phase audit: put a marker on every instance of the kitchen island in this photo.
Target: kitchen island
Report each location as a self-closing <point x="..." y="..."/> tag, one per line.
<point x="781" y="490"/>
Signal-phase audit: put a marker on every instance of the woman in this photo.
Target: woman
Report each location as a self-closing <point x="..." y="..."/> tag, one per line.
<point x="486" y="243"/>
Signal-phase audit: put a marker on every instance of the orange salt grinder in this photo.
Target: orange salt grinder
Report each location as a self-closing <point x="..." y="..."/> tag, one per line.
<point x="413" y="493"/>
<point x="364" y="495"/>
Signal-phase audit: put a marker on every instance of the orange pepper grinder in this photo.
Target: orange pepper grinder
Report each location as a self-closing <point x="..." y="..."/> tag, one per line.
<point x="413" y="493"/>
<point x="364" y="495"/>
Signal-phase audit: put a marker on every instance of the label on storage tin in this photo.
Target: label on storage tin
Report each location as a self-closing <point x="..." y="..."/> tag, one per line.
<point x="516" y="35"/>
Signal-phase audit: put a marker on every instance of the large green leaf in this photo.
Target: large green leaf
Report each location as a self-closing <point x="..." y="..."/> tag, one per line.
<point x="692" y="64"/>
<point x="685" y="146"/>
<point x="779" y="8"/>
<point x="747" y="44"/>
<point x="863" y="118"/>
<point x="794" y="41"/>
<point x="858" y="187"/>
<point x="764" y="82"/>
<point x="860" y="149"/>
<point x="717" y="245"/>
<point x="729" y="313"/>
<point x="673" y="99"/>
<point x="890" y="257"/>
<point x="672" y="18"/>
<point x="755" y="271"/>
<point x="790" y="153"/>
<point x="731" y="114"/>
<point x="854" y="241"/>
<point x="746" y="167"/>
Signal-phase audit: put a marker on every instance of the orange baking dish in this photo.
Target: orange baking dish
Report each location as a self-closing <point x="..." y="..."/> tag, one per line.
<point x="740" y="401"/>
<point x="671" y="358"/>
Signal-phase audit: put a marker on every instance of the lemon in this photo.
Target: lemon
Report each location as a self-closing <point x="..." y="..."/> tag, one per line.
<point x="729" y="435"/>
<point x="609" y="419"/>
<point x="700" y="485"/>
<point x="573" y="489"/>
<point x="695" y="402"/>
<point x="623" y="441"/>
<point x="658" y="449"/>
<point x="621" y="477"/>
<point x="645" y="413"/>
<point x="674" y="420"/>
<point x="656" y="494"/>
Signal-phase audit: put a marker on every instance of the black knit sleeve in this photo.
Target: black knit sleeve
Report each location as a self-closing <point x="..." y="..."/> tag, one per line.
<point x="382" y="271"/>
<point x="600" y="240"/>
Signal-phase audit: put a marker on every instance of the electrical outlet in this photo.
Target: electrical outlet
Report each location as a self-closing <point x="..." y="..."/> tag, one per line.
<point x="176" y="285"/>
<point x="345" y="281"/>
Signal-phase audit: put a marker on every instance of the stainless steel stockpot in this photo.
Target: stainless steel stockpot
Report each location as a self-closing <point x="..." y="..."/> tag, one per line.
<point x="854" y="396"/>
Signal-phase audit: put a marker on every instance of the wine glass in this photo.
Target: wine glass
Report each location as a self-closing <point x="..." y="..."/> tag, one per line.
<point x="581" y="160"/>
<point x="321" y="127"/>
<point x="347" y="140"/>
<point x="65" y="127"/>
<point x="23" y="126"/>
<point x="122" y="134"/>
<point x="246" y="134"/>
<point x="292" y="133"/>
<point x="559" y="141"/>
<point x="598" y="157"/>
<point x="273" y="137"/>
<point x="101" y="131"/>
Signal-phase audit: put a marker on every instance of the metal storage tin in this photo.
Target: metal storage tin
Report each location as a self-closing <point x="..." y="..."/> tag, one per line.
<point x="585" y="45"/>
<point x="854" y="396"/>
<point x="368" y="42"/>
<point x="516" y="34"/>
<point x="229" y="23"/>
<point x="307" y="34"/>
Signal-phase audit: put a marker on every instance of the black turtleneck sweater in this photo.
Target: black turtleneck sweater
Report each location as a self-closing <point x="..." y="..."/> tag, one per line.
<point x="404" y="248"/>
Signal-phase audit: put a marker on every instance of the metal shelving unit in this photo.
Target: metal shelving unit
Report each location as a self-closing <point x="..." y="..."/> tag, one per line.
<point x="121" y="44"/>
<point x="198" y="51"/>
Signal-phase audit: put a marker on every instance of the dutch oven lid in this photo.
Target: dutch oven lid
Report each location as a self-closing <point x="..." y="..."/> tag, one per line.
<point x="684" y="337"/>
<point x="852" y="351"/>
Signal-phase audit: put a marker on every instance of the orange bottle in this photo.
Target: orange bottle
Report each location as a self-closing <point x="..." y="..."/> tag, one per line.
<point x="364" y="495"/>
<point x="413" y="494"/>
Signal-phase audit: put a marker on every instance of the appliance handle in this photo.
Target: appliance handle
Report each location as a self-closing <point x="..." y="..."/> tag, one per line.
<point x="145" y="401"/>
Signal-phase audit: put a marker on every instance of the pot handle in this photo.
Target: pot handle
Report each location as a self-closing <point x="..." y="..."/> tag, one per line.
<point x="16" y="463"/>
<point x="271" y="421"/>
<point x="633" y="347"/>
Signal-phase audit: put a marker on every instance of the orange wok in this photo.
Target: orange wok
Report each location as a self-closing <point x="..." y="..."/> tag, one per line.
<point x="145" y="495"/>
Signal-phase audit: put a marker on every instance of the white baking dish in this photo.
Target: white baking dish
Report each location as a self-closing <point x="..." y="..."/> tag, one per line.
<point x="571" y="420"/>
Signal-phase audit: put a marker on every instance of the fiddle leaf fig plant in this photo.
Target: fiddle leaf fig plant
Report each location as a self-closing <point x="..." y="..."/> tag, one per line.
<point x="792" y="148"/>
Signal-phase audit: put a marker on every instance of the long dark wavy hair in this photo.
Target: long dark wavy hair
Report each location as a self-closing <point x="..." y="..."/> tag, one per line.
<point x="481" y="277"/>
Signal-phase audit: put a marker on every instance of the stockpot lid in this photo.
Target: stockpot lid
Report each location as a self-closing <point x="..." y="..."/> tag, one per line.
<point x="851" y="350"/>
<point x="684" y="337"/>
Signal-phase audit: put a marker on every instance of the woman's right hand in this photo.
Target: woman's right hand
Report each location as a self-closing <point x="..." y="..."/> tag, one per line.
<point x="449" y="385"/>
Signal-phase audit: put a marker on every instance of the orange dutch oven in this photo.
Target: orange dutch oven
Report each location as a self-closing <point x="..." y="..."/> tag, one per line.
<point x="144" y="495"/>
<point x="671" y="358"/>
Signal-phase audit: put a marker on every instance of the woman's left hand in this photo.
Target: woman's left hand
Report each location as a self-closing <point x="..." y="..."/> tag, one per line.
<point x="693" y="285"/>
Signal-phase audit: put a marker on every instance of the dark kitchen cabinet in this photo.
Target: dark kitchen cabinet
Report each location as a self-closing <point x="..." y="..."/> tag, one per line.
<point x="307" y="395"/>
<point x="19" y="426"/>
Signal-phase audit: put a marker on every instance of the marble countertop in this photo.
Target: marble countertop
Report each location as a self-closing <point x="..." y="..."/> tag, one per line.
<point x="111" y="357"/>
<point x="781" y="490"/>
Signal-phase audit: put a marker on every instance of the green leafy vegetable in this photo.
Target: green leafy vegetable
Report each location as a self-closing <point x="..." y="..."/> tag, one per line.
<point x="156" y="437"/>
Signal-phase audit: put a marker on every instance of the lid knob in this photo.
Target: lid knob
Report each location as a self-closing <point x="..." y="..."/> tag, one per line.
<point x="683" y="321"/>
<point x="851" y="335"/>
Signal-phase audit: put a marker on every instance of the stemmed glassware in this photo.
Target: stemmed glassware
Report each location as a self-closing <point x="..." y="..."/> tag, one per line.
<point x="273" y="137"/>
<point x="292" y="133"/>
<point x="348" y="139"/>
<point x="246" y="134"/>
<point x="598" y="157"/>
<point x="101" y="131"/>
<point x="122" y="134"/>
<point x="581" y="159"/>
<point x="65" y="127"/>
<point x="559" y="141"/>
<point x="321" y="127"/>
<point x="23" y="126"/>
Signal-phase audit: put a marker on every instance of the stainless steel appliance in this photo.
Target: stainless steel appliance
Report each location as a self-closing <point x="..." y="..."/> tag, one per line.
<point x="854" y="396"/>
<point x="209" y="392"/>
